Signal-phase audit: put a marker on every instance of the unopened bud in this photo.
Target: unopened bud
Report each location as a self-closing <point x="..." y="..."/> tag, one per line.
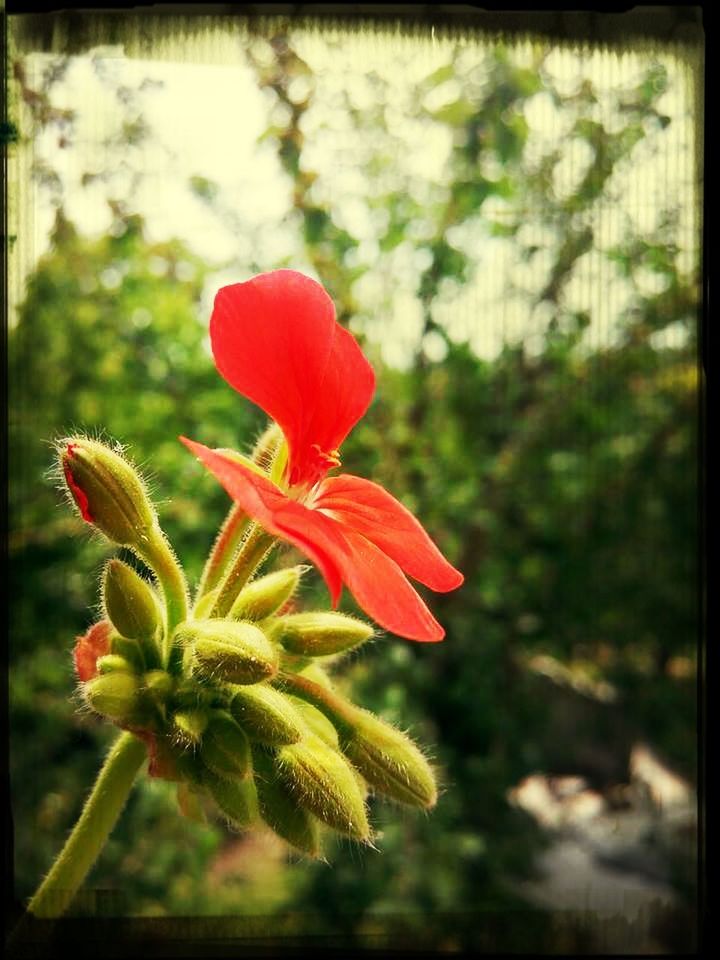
<point x="278" y="809"/>
<point x="225" y="748"/>
<point x="390" y="761"/>
<point x="130" y="602"/>
<point x="190" y="724"/>
<point x="320" y="634"/>
<point x="114" y="695"/>
<point x="267" y="715"/>
<point x="261" y="598"/>
<point x="317" y="722"/>
<point x="226" y="650"/>
<point x="236" y="798"/>
<point x="322" y="782"/>
<point x="107" y="491"/>
<point x="112" y="663"/>
<point x="387" y="759"/>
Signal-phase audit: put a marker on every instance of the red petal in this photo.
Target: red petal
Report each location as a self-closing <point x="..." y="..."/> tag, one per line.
<point x="275" y="340"/>
<point x="89" y="647"/>
<point x="370" y="510"/>
<point x="341" y="553"/>
<point x="374" y="579"/>
<point x="262" y="500"/>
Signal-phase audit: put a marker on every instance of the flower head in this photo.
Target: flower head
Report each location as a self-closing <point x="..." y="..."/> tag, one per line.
<point x="275" y="339"/>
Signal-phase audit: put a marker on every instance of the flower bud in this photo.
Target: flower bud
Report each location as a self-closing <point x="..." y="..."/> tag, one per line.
<point x="107" y="491"/>
<point x="317" y="722"/>
<point x="236" y="798"/>
<point x="266" y="715"/>
<point x="322" y="782"/>
<point x="320" y="634"/>
<point x="278" y="809"/>
<point x="225" y="749"/>
<point x="261" y="598"/>
<point x="112" y="663"/>
<point x="89" y="647"/>
<point x="190" y="724"/>
<point x="114" y="695"/>
<point x="389" y="761"/>
<point x="226" y="650"/>
<point x="129" y="602"/>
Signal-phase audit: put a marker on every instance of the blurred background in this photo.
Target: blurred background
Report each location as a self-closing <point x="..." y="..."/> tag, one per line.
<point x="511" y="229"/>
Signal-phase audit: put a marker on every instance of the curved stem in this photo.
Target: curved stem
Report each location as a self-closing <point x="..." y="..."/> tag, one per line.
<point x="100" y="813"/>
<point x="230" y="535"/>
<point x="159" y="556"/>
<point x="254" y="549"/>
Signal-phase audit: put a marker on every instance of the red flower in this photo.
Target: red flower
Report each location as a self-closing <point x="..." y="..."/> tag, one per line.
<point x="276" y="340"/>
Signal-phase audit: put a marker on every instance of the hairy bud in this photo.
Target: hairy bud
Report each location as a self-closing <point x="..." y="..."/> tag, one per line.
<point x="130" y="602"/>
<point x="322" y="782"/>
<point x="225" y="749"/>
<point x="389" y="761"/>
<point x="190" y="724"/>
<point x="267" y="715"/>
<point x="112" y="663"/>
<point x="261" y="598"/>
<point x="278" y="809"/>
<point x="236" y="798"/>
<point x="114" y="695"/>
<point x="107" y="490"/>
<point x="226" y="650"/>
<point x="320" y="634"/>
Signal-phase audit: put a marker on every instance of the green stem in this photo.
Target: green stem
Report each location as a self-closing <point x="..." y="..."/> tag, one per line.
<point x="100" y="813"/>
<point x="256" y="545"/>
<point x="159" y="556"/>
<point x="231" y="533"/>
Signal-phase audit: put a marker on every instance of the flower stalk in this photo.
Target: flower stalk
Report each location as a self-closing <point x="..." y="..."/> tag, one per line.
<point x="100" y="813"/>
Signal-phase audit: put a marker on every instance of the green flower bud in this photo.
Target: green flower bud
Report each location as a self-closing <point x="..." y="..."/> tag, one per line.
<point x="130" y="602"/>
<point x="317" y="722"/>
<point x="159" y="684"/>
<point x="107" y="490"/>
<point x="278" y="809"/>
<point x="320" y="634"/>
<point x="261" y="598"/>
<point x="226" y="650"/>
<point x="114" y="695"/>
<point x="225" y="749"/>
<point x="191" y="724"/>
<point x="321" y="781"/>
<point x="266" y="714"/>
<point x="390" y="761"/>
<point x="236" y="798"/>
<point x="111" y="663"/>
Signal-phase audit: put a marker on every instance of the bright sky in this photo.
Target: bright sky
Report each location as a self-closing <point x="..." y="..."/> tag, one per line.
<point x="206" y="120"/>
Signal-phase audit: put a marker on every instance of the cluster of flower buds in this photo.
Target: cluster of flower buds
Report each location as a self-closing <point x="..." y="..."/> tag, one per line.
<point x="232" y="697"/>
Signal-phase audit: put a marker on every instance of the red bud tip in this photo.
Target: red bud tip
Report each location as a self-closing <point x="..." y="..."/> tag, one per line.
<point x="78" y="494"/>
